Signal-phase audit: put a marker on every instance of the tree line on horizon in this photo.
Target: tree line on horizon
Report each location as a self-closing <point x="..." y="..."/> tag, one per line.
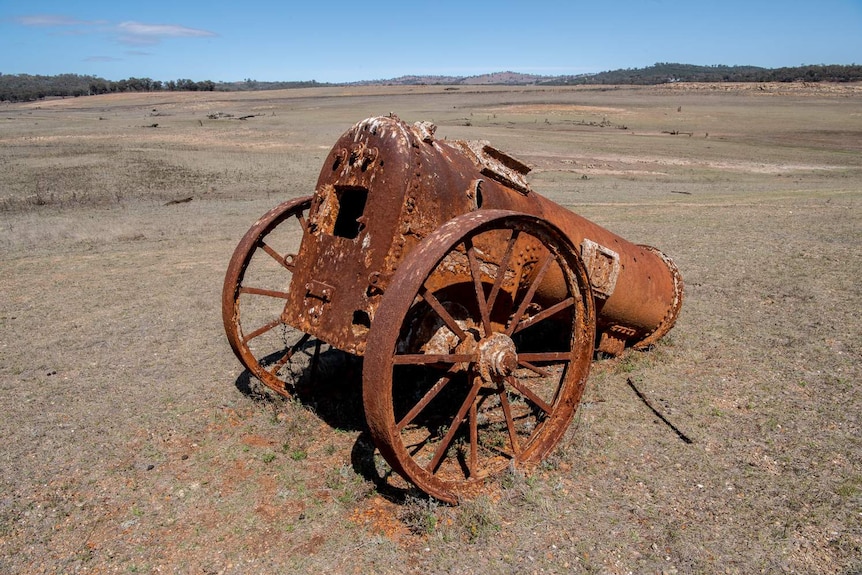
<point x="663" y="73"/>
<point x="26" y="87"/>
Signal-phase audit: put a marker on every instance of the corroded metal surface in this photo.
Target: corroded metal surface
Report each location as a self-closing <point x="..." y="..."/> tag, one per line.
<point x="438" y="255"/>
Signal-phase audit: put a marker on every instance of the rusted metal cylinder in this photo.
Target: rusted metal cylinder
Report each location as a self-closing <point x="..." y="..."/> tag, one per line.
<point x="638" y="289"/>
<point x="386" y="185"/>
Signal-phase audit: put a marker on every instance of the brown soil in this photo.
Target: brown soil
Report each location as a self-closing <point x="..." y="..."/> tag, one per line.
<point x="135" y="443"/>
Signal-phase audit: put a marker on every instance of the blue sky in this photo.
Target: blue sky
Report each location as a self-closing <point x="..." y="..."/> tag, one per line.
<point x="336" y="41"/>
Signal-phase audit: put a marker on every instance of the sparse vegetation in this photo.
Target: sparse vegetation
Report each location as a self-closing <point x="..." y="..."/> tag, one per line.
<point x="479" y="518"/>
<point x="134" y="441"/>
<point x="420" y="514"/>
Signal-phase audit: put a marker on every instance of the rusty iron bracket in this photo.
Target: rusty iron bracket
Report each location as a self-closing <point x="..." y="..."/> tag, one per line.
<point x="603" y="266"/>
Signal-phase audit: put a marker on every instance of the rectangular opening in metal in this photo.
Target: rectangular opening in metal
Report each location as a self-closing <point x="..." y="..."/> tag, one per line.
<point x="351" y="206"/>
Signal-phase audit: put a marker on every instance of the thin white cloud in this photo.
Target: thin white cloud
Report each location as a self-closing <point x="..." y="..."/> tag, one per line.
<point x="159" y="31"/>
<point x="129" y="32"/>
<point x="55" y="20"/>
<point x="138" y="53"/>
<point x="102" y="59"/>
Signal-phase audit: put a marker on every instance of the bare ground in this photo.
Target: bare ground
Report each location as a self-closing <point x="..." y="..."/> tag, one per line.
<point x="134" y="443"/>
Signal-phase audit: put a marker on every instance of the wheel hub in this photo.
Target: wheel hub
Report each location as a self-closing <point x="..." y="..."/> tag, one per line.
<point x="498" y="357"/>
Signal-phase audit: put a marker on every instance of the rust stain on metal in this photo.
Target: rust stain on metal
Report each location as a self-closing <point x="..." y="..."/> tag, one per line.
<point x="477" y="303"/>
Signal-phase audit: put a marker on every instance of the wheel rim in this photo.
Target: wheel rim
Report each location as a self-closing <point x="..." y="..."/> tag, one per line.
<point x="254" y="295"/>
<point x="468" y="370"/>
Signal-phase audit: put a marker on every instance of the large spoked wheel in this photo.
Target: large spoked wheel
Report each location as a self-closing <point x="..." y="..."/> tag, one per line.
<point x="478" y="354"/>
<point x="254" y="295"/>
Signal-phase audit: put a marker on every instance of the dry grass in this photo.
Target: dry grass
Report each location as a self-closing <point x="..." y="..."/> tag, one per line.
<point x="135" y="444"/>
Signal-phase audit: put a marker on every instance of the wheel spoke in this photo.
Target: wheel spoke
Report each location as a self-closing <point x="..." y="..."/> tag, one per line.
<point x="453" y="428"/>
<point x="545" y="356"/>
<point x="262" y="291"/>
<point x="501" y="269"/>
<point x="432" y="358"/>
<point x="529" y="394"/>
<point x="528" y="297"/>
<point x="441" y="311"/>
<point x="261" y="330"/>
<point x="302" y="221"/>
<point x="533" y="368"/>
<point x="473" y="461"/>
<point x="426" y="399"/>
<point x="477" y="285"/>
<point x="289" y="354"/>
<point x="273" y="254"/>
<point x="545" y="314"/>
<point x="510" y="423"/>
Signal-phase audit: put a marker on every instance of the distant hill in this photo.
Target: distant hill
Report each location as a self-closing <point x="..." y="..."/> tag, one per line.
<point x="26" y="87"/>
<point x="497" y="78"/>
<point x="250" y="85"/>
<point x="660" y="73"/>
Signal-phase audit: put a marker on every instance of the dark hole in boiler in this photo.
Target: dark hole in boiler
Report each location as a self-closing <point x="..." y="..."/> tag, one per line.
<point x="361" y="318"/>
<point x="351" y="205"/>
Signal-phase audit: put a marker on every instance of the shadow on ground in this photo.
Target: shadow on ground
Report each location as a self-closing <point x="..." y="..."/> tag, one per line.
<point x="332" y="390"/>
